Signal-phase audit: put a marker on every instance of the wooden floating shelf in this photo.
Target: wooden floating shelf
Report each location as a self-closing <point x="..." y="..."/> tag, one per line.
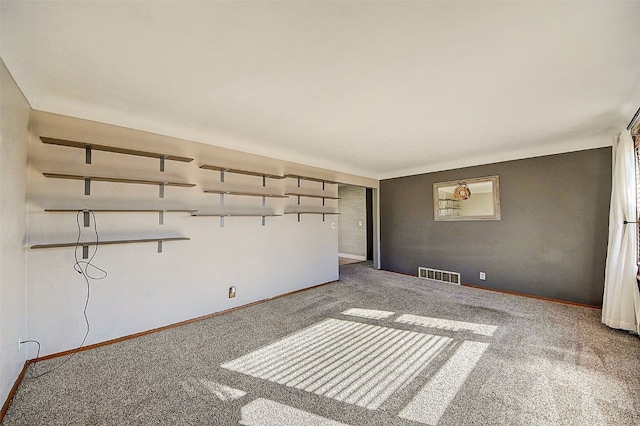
<point x="223" y="215"/>
<point x="121" y="210"/>
<point x="312" y="179"/>
<point x="117" y="180"/>
<point x="311" y="212"/>
<point x="87" y="218"/>
<point x="240" y="172"/>
<point x="102" y="243"/>
<point x="88" y="179"/>
<point x="106" y="148"/>
<point x="301" y="212"/>
<point x="296" y="194"/>
<point x="248" y="194"/>
<point x="234" y="215"/>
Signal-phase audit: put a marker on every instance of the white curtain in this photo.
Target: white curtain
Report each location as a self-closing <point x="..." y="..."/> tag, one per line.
<point x="621" y="302"/>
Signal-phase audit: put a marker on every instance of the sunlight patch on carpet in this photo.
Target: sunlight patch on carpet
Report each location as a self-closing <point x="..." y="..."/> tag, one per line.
<point x="194" y="387"/>
<point x="444" y="324"/>
<point x="222" y="392"/>
<point x="368" y="313"/>
<point x="430" y="403"/>
<point x="351" y="362"/>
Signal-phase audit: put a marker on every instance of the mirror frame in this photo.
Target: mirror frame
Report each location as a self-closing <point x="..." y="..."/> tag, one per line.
<point x="496" y="199"/>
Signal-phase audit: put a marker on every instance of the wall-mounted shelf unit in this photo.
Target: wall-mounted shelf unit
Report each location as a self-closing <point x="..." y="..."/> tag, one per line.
<point x="85" y="245"/>
<point x="86" y="212"/>
<point x="87" y="181"/>
<point x="223" y="215"/>
<point x="301" y="212"/>
<point x="89" y="147"/>
<point x="224" y="170"/>
<point x="300" y="195"/>
<point x="243" y="193"/>
<point x="448" y="206"/>
<point x="223" y="192"/>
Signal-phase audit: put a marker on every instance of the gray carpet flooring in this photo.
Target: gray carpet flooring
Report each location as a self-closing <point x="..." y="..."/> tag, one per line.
<point x="375" y="348"/>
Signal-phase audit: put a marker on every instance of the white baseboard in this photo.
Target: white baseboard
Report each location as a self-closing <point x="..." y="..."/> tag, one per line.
<point x="352" y="256"/>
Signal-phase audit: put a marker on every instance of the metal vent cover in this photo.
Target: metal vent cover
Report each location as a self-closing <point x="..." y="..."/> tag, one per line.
<point x="439" y="275"/>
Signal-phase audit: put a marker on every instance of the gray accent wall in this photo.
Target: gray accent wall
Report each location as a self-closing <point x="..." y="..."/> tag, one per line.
<point x="352" y="221"/>
<point x="551" y="241"/>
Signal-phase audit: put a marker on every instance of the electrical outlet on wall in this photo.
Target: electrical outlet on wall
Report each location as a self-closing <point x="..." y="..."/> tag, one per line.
<point x="483" y="276"/>
<point x="232" y="292"/>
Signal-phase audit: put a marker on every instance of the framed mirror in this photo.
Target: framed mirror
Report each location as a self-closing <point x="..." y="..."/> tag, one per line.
<point x="468" y="199"/>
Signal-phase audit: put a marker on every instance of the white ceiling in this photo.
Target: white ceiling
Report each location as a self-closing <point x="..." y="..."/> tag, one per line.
<point x="379" y="89"/>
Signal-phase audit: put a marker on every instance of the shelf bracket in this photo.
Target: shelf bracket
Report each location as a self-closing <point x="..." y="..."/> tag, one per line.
<point x="87" y="153"/>
<point x="221" y="221"/>
<point x="263" y="201"/>
<point x="222" y="176"/>
<point x="298" y="182"/>
<point x="264" y="180"/>
<point x="298" y="200"/>
<point x="222" y="199"/>
<point x="162" y="158"/>
<point x="323" y="215"/>
<point x="298" y="217"/>
<point x="87" y="186"/>
<point x="323" y="185"/>
<point x="85" y="251"/>
<point x="323" y="201"/>
<point x="162" y="189"/>
<point x="263" y="220"/>
<point x="159" y="246"/>
<point x="161" y="217"/>
<point x="87" y="218"/>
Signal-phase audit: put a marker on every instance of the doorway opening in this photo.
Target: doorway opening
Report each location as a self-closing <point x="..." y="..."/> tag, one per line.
<point x="355" y="224"/>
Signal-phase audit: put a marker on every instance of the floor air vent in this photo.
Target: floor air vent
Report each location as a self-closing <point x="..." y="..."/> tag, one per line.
<point x="438" y="275"/>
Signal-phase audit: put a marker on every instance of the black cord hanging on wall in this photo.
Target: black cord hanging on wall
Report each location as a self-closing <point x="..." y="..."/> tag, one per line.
<point x="81" y="267"/>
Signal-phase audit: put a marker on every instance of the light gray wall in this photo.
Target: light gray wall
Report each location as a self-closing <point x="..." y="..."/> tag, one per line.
<point x="144" y="289"/>
<point x="14" y="113"/>
<point x="551" y="241"/>
<point x="352" y="221"/>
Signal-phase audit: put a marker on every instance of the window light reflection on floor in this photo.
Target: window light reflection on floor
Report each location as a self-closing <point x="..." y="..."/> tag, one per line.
<point x="444" y="324"/>
<point x="430" y="403"/>
<point x="356" y="363"/>
<point x="193" y="387"/>
<point x="368" y="313"/>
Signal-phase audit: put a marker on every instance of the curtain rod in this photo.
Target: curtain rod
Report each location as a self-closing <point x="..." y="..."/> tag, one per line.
<point x="633" y="119"/>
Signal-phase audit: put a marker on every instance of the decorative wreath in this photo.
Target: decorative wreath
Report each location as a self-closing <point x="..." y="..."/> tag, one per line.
<point x="462" y="191"/>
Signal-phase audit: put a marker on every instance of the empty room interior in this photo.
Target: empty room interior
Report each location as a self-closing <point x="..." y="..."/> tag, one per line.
<point x="319" y="213"/>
